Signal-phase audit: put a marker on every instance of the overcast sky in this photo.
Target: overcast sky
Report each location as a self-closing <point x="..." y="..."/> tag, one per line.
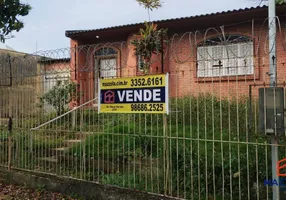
<point x="49" y="19"/>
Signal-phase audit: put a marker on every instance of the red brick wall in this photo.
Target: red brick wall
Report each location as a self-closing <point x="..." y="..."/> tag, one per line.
<point x="180" y="62"/>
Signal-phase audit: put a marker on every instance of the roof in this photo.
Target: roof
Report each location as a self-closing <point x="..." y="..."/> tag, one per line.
<point x="52" y="61"/>
<point x="13" y="52"/>
<point x="70" y="33"/>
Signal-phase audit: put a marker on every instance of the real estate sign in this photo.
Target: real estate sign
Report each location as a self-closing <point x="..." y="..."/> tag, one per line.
<point x="142" y="94"/>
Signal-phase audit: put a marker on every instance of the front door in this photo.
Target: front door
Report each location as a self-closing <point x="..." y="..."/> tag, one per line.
<point x="107" y="69"/>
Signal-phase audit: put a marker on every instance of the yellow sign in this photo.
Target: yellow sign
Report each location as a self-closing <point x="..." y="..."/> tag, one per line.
<point x="142" y="94"/>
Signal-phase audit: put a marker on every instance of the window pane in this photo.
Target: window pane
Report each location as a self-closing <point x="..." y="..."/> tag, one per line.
<point x="108" y="68"/>
<point x="202" y="58"/>
<point x="232" y="58"/>
<point x="217" y="58"/>
<point x="246" y="61"/>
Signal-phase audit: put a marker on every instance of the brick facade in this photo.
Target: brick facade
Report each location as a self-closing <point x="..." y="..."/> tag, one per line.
<point x="180" y="59"/>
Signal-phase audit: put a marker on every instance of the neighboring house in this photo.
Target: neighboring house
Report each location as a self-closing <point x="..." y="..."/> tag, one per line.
<point x="24" y="78"/>
<point x="18" y="78"/>
<point x="226" y="55"/>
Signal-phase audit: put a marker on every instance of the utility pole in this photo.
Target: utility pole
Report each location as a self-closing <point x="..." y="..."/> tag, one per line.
<point x="273" y="83"/>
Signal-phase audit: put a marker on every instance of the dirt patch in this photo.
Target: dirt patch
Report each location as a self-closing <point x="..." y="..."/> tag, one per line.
<point x="11" y="192"/>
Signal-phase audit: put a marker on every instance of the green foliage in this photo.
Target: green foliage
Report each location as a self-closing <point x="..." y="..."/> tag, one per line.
<point x="60" y="96"/>
<point x="150" y="4"/>
<point x="280" y="1"/>
<point x="120" y="144"/>
<point x="40" y="188"/>
<point x="196" y="125"/>
<point x="209" y="113"/>
<point x="133" y="181"/>
<point x="10" y="11"/>
<point x="148" y="42"/>
<point x="228" y="166"/>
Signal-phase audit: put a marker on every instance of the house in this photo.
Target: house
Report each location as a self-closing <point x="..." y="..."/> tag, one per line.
<point x="219" y="53"/>
<point x="27" y="76"/>
<point x="18" y="72"/>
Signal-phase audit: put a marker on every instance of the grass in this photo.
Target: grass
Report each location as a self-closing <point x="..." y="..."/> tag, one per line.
<point x="132" y="181"/>
<point x="207" y="162"/>
<point x="212" y="148"/>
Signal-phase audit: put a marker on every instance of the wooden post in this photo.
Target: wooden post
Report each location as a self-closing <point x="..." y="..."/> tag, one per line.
<point x="10" y="123"/>
<point x="74" y="119"/>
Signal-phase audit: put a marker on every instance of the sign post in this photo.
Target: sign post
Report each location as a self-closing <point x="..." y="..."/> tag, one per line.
<point x="273" y="82"/>
<point x="142" y="94"/>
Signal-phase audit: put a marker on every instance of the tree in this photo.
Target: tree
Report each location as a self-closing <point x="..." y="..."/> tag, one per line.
<point x="60" y="96"/>
<point x="263" y="1"/>
<point x="150" y="5"/>
<point x="10" y="11"/>
<point x="149" y="40"/>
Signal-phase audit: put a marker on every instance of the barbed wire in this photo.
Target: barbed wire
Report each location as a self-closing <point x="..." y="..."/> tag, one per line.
<point x="225" y="47"/>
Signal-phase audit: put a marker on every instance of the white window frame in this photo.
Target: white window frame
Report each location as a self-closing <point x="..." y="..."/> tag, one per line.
<point x="234" y="59"/>
<point x="109" y="56"/>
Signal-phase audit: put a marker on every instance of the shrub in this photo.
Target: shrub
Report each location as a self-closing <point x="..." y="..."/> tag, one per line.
<point x="59" y="96"/>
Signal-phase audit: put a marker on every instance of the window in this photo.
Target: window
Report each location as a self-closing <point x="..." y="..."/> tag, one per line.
<point x="106" y="62"/>
<point x="232" y="57"/>
<point x="107" y="68"/>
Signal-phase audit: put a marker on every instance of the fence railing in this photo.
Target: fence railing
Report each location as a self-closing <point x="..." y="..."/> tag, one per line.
<point x="65" y="114"/>
<point x="205" y="148"/>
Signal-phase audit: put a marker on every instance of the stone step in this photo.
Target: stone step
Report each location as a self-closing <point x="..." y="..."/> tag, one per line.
<point x="70" y="143"/>
<point x="82" y="135"/>
<point x="60" y="151"/>
<point x="52" y="159"/>
<point x="4" y="121"/>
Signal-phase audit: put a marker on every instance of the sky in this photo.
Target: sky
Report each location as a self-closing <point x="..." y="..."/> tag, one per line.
<point x="48" y="20"/>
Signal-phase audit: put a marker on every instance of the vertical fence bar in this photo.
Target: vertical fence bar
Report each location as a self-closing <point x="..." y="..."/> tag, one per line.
<point x="166" y="155"/>
<point x="10" y="124"/>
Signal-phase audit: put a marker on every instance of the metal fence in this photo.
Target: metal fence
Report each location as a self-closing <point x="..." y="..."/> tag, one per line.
<point x="208" y="147"/>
